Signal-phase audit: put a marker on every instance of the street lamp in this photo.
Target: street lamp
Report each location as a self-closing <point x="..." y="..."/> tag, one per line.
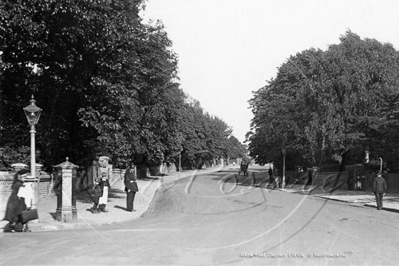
<point x="179" y="163"/>
<point x="283" y="182"/>
<point x="32" y="113"/>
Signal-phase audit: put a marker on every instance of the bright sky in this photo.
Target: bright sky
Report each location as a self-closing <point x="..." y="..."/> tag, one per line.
<point x="229" y="48"/>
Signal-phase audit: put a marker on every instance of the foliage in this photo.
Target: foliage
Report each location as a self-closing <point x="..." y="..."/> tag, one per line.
<point x="107" y="84"/>
<point x="203" y="137"/>
<point x="12" y="154"/>
<point x="327" y="103"/>
<point x="235" y="149"/>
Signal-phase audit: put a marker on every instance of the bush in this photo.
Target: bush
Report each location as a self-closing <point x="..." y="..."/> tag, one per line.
<point x="11" y="154"/>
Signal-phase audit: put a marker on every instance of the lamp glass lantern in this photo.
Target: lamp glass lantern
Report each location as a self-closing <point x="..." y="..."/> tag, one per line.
<point x="32" y="112"/>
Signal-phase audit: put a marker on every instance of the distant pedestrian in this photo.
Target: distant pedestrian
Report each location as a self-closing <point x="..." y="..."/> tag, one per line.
<point x="19" y="200"/>
<point x="379" y="189"/>
<point x="131" y="188"/>
<point x="271" y="179"/>
<point x="277" y="182"/>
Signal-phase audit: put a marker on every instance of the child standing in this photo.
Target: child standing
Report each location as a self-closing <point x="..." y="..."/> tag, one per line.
<point x="98" y="191"/>
<point x="105" y="189"/>
<point x="104" y="198"/>
<point x="101" y="190"/>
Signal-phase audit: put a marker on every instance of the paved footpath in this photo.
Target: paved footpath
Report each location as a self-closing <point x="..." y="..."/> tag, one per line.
<point x="366" y="198"/>
<point x="116" y="204"/>
<point x="148" y="187"/>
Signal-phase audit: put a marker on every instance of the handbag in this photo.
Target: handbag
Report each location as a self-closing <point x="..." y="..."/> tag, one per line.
<point x="29" y="215"/>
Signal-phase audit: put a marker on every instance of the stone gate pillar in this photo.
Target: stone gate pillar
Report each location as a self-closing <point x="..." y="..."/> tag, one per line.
<point x="105" y="167"/>
<point x="66" y="198"/>
<point x="103" y="162"/>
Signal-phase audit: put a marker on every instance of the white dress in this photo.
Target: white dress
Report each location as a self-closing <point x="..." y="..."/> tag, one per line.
<point x="104" y="198"/>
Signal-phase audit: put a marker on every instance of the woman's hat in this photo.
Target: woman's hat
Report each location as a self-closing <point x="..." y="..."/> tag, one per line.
<point x="23" y="172"/>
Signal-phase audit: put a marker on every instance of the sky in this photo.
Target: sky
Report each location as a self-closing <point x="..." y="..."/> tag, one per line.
<point x="228" y="49"/>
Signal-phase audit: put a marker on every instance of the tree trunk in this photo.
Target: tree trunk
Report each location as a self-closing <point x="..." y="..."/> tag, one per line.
<point x="141" y="171"/>
<point x="155" y="170"/>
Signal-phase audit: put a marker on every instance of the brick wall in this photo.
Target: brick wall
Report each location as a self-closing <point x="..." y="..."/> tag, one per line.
<point x="5" y="191"/>
<point x="328" y="180"/>
<point x="340" y="180"/>
<point x="45" y="189"/>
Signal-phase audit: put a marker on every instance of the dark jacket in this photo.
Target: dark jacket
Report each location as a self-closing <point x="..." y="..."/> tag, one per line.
<point x="380" y="185"/>
<point x="99" y="188"/>
<point x="130" y="182"/>
<point x="15" y="205"/>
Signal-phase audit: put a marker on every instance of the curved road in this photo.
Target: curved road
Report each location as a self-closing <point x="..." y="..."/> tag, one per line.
<point x="210" y="219"/>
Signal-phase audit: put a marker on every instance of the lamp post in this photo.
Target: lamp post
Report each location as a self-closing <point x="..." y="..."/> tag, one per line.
<point x="179" y="163"/>
<point x="32" y="113"/>
<point x="283" y="182"/>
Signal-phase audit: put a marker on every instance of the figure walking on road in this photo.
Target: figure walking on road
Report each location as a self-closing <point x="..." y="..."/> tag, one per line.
<point x="379" y="189"/>
<point x="131" y="188"/>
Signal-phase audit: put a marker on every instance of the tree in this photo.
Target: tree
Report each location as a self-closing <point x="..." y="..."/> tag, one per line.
<point x="107" y="84"/>
<point x="65" y="52"/>
<point x="324" y="103"/>
<point x="203" y="136"/>
<point x="235" y="149"/>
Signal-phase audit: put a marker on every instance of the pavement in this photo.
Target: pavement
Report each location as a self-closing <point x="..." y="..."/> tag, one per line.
<point x="148" y="187"/>
<point x="116" y="206"/>
<point x="358" y="197"/>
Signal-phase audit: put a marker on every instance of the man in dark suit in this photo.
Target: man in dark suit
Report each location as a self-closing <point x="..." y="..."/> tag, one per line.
<point x="379" y="189"/>
<point x="131" y="188"/>
<point x="271" y="180"/>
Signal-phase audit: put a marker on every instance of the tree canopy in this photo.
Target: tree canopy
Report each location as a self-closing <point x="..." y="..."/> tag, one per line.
<point x="107" y="84"/>
<point x="325" y="104"/>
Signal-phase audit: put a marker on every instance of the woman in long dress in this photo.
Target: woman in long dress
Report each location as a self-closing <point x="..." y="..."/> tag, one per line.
<point x="16" y="205"/>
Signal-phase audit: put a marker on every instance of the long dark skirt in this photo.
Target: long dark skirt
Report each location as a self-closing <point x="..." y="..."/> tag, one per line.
<point x="15" y="205"/>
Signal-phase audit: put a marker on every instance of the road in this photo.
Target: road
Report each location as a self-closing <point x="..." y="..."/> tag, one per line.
<point x="211" y="220"/>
